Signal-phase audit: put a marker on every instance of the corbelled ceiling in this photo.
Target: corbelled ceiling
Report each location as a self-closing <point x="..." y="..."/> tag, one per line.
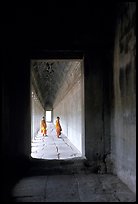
<point x="52" y="79"/>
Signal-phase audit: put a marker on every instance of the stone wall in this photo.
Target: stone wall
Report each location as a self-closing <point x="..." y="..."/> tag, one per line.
<point x="97" y="108"/>
<point x="69" y="109"/>
<point x="123" y="128"/>
<point x="37" y="112"/>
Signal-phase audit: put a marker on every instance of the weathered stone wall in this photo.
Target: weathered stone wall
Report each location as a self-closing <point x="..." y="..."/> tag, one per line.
<point x="37" y="112"/>
<point x="5" y="122"/>
<point x="97" y="108"/>
<point x="69" y="109"/>
<point x="16" y="106"/>
<point x="124" y="102"/>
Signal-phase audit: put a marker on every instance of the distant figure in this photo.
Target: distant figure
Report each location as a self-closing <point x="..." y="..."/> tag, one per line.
<point x="43" y="126"/>
<point x="58" y="127"/>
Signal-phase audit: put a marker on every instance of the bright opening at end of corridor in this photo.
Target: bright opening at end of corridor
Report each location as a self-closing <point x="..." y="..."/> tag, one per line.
<point x="48" y="116"/>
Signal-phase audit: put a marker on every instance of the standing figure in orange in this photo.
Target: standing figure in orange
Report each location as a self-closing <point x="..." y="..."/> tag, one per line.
<point x="58" y="127"/>
<point x="43" y="126"/>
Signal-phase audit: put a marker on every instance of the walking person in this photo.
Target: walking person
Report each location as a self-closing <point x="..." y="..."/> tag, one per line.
<point x="58" y="127"/>
<point x="43" y="126"/>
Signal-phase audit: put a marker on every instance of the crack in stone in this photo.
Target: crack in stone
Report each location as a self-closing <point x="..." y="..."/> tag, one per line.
<point x="67" y="144"/>
<point x="58" y="154"/>
<point x="45" y="187"/>
<point x="78" y="186"/>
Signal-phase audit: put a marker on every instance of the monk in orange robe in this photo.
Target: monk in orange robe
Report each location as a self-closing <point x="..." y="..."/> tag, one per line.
<point x="43" y="126"/>
<point x="58" y="127"/>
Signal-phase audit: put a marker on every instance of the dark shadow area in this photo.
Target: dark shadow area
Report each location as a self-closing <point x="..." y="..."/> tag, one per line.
<point x="11" y="172"/>
<point x="17" y="170"/>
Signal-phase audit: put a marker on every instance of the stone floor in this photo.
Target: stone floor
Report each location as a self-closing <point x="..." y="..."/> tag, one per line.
<point x="78" y="187"/>
<point x="57" y="174"/>
<point x="51" y="147"/>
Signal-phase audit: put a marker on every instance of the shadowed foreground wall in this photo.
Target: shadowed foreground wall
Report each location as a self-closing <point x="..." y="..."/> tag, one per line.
<point x="124" y="112"/>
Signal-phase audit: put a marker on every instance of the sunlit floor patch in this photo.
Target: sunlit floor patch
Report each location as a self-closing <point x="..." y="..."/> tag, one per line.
<point x="51" y="147"/>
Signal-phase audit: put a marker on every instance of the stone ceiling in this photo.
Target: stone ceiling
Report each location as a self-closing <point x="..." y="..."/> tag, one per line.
<point x="53" y="78"/>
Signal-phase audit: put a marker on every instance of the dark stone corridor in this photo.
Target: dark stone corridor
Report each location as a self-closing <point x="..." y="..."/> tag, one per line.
<point x="76" y="59"/>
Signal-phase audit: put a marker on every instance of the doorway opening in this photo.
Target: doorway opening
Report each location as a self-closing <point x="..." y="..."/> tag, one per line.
<point x="49" y="116"/>
<point x="58" y="90"/>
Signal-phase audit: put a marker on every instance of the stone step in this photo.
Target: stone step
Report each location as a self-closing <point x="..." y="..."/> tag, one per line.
<point x="67" y="166"/>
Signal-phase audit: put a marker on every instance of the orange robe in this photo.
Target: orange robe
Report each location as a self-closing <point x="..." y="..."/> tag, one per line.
<point x="43" y="127"/>
<point x="58" y="128"/>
